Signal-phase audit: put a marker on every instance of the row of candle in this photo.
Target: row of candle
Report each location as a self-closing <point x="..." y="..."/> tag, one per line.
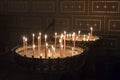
<point x="62" y="42"/>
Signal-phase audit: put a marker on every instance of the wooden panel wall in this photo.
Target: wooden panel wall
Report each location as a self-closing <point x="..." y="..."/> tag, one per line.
<point x="19" y="17"/>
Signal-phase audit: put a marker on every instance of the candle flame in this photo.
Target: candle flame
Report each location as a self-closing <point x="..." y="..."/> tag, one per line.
<point x="25" y="39"/>
<point x="38" y="37"/>
<point x="33" y="34"/>
<point x="91" y="28"/>
<point x="40" y="33"/>
<point x="60" y="40"/>
<point x="45" y="36"/>
<point x="65" y="32"/>
<point x="78" y="32"/>
<point x="33" y="46"/>
<point x="46" y="44"/>
<point x="55" y="33"/>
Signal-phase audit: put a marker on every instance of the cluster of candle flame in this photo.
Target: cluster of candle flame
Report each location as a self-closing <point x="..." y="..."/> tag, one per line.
<point x="63" y="37"/>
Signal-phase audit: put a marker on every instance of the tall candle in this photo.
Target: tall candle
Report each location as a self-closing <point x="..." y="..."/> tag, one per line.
<point x="25" y="46"/>
<point x="45" y="38"/>
<point x="91" y="31"/>
<point x="41" y="55"/>
<point x="78" y="34"/>
<point x="55" y="38"/>
<point x="40" y="39"/>
<point x="53" y="51"/>
<point x="33" y="37"/>
<point x="64" y="44"/>
<point x="49" y="53"/>
<point x="33" y="50"/>
<point x="38" y="44"/>
<point x="64" y="32"/>
<point x="60" y="47"/>
<point x="46" y="50"/>
<point x="74" y="39"/>
<point x="61" y="50"/>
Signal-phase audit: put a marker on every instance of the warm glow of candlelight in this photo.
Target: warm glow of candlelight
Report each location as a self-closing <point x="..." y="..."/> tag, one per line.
<point x="46" y="50"/>
<point x="33" y="38"/>
<point x="33" y="49"/>
<point x="79" y="34"/>
<point x="38" y="44"/>
<point x="25" y="46"/>
<point x="55" y="33"/>
<point x="45" y="37"/>
<point x="61" y="50"/>
<point x="41" y="55"/>
<point x="55" y="38"/>
<point x="49" y="53"/>
<point x="64" y="44"/>
<point x="64" y="32"/>
<point x="91" y="29"/>
<point x="39" y="33"/>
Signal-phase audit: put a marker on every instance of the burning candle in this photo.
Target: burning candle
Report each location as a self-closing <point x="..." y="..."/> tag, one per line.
<point x="38" y="44"/>
<point x="64" y="32"/>
<point x="78" y="34"/>
<point x="60" y="47"/>
<point x="55" y="38"/>
<point x="67" y="36"/>
<point x="40" y="39"/>
<point x="24" y="44"/>
<point x="33" y="50"/>
<point x="91" y="30"/>
<point x="45" y="38"/>
<point x="53" y="51"/>
<point x="49" y="53"/>
<point x="46" y="50"/>
<point x="33" y="38"/>
<point x="74" y="42"/>
<point x="41" y="55"/>
<point x="64" y="44"/>
<point x="61" y="50"/>
<point x="84" y="37"/>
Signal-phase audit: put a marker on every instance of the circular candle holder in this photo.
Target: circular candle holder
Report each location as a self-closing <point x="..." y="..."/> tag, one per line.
<point x="69" y="61"/>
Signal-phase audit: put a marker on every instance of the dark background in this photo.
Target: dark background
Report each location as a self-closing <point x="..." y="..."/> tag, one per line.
<point x="23" y="17"/>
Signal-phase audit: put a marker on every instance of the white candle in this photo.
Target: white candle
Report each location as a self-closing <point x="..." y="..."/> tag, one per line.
<point x="67" y="36"/>
<point x="41" y="55"/>
<point x="49" y="53"/>
<point x="33" y="38"/>
<point x="61" y="50"/>
<point x="45" y="38"/>
<point x="64" y="32"/>
<point x="84" y="37"/>
<point x="46" y="50"/>
<point x="40" y="39"/>
<point x="74" y="42"/>
<point x="55" y="38"/>
<point x="38" y="44"/>
<point x="25" y="46"/>
<point x="33" y="50"/>
<point x="91" y="29"/>
<point x="78" y="34"/>
<point x="64" y="44"/>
